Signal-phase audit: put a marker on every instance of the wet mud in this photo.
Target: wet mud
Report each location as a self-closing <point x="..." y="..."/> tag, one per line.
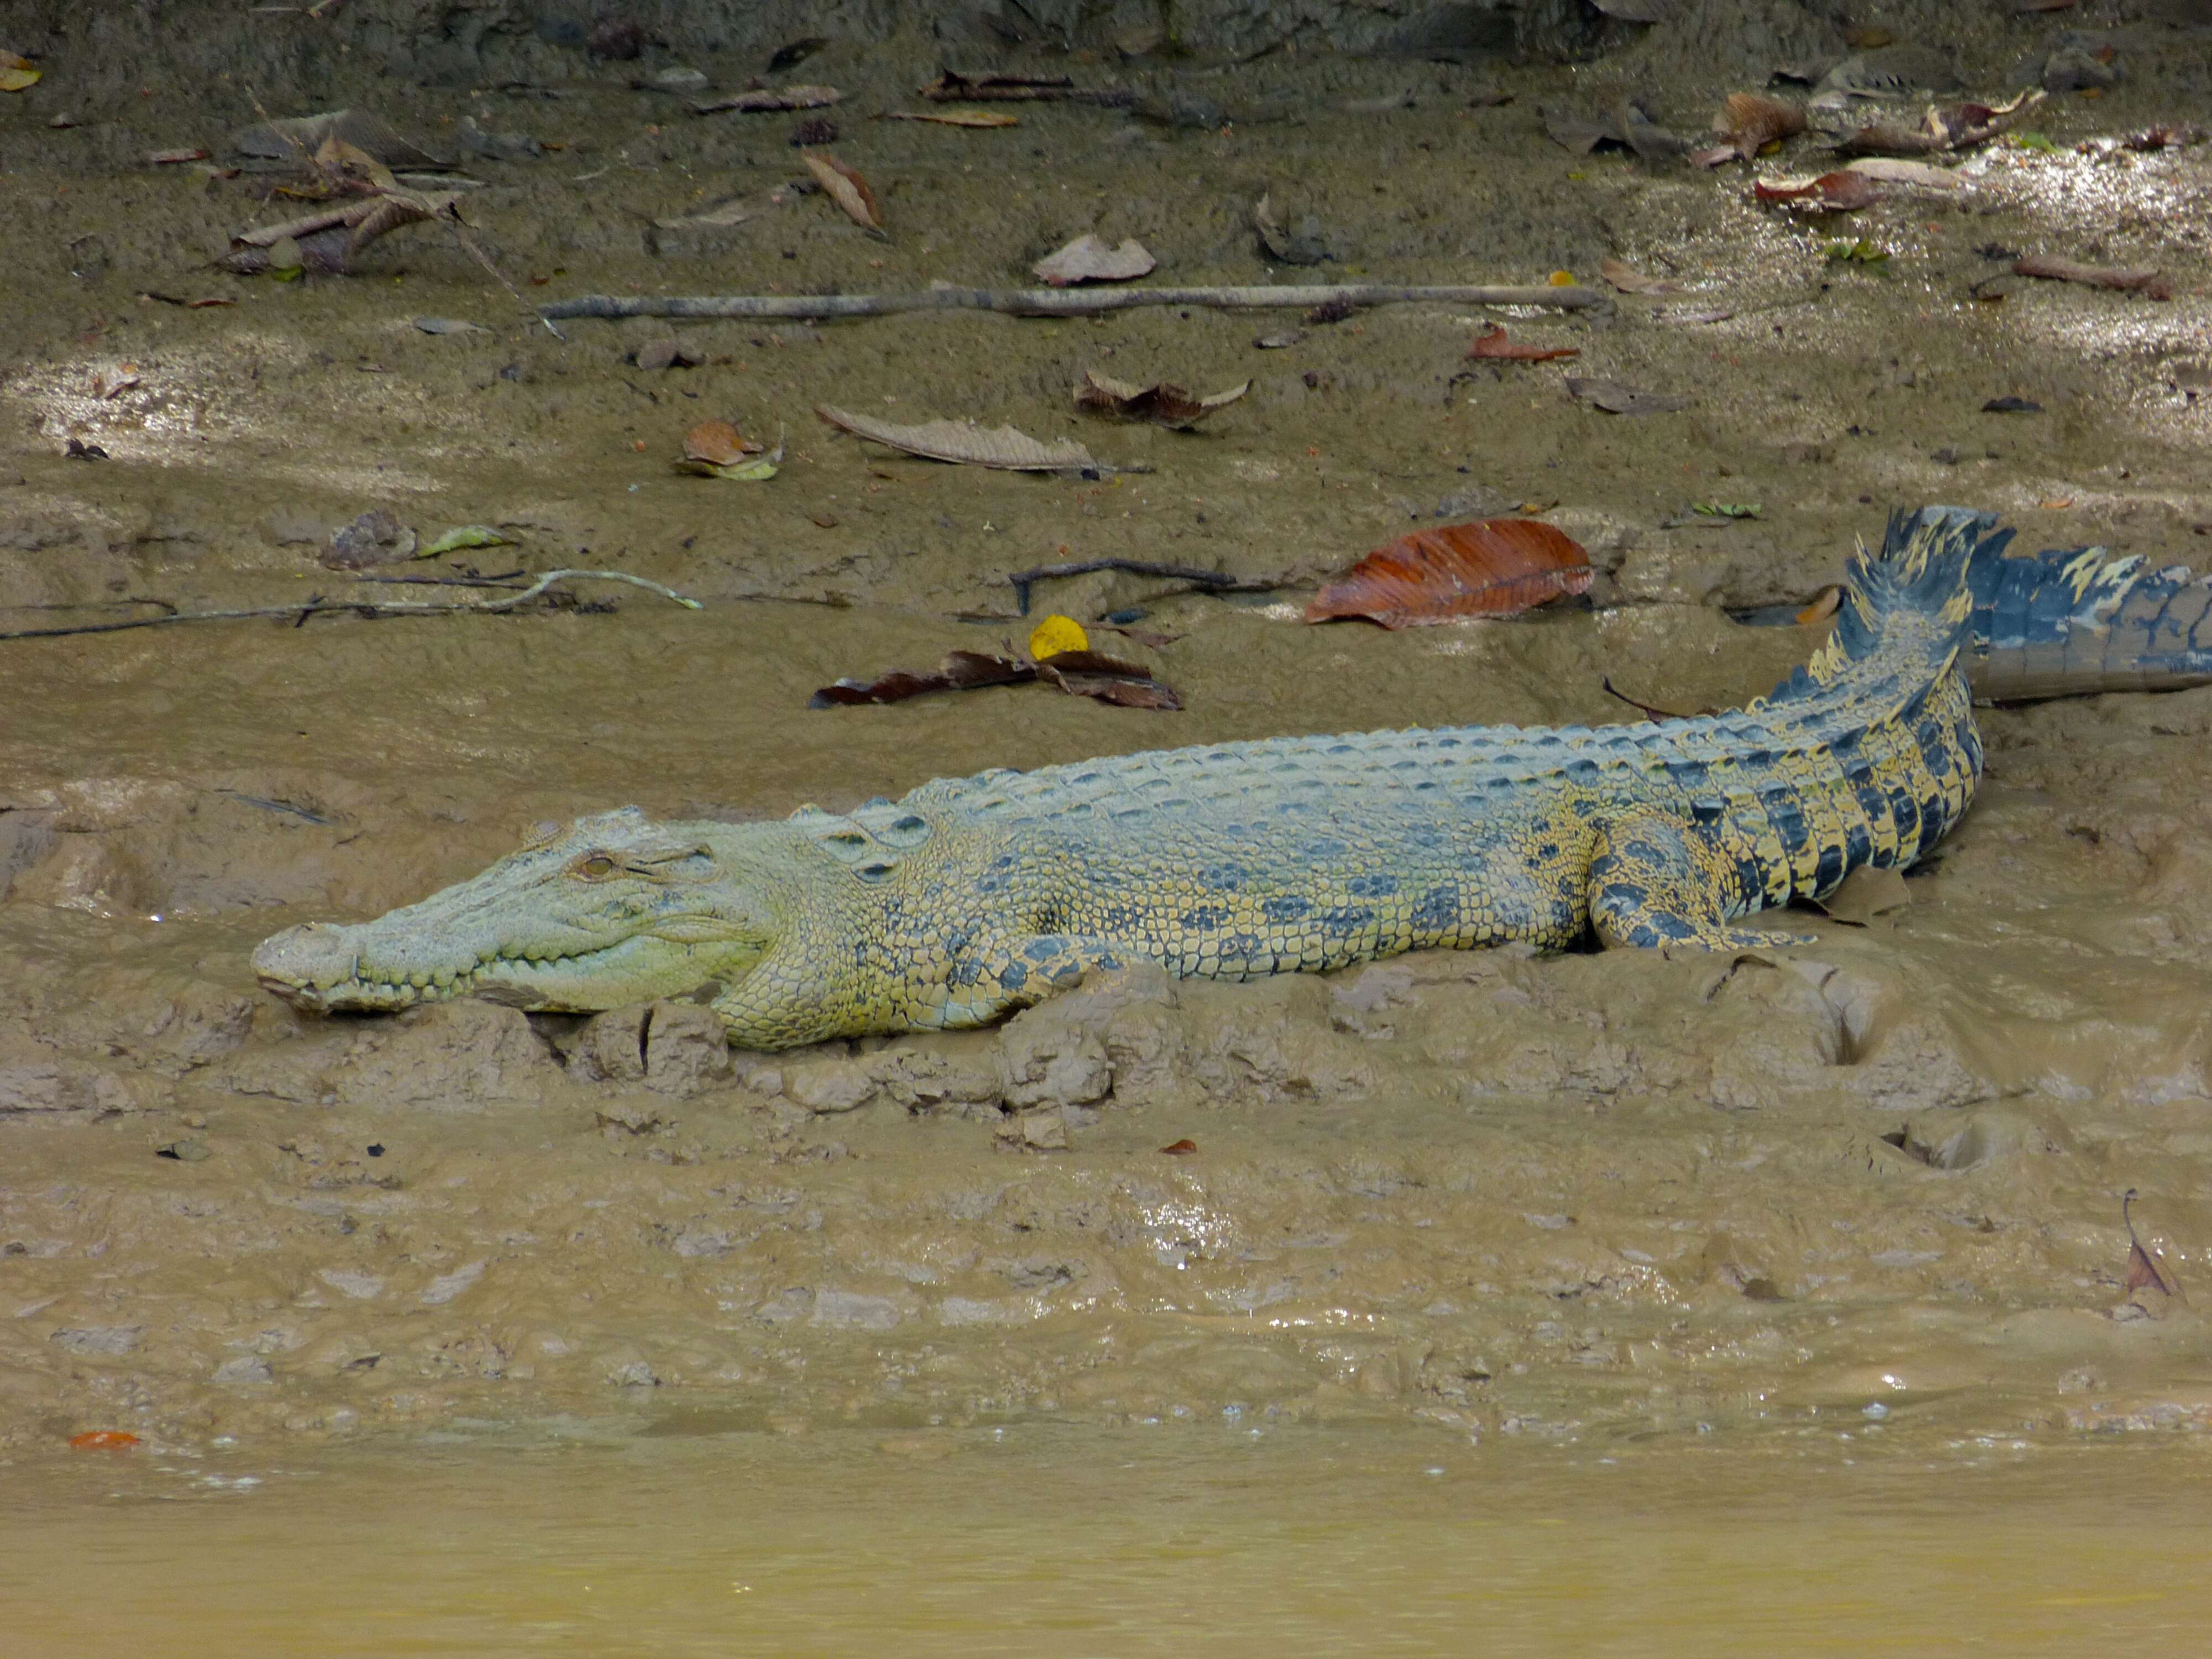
<point x="1489" y="1195"/>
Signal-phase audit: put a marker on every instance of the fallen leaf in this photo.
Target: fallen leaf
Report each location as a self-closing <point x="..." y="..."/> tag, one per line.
<point x="1860" y="252"/>
<point x="1712" y="155"/>
<point x="744" y="468"/>
<point x="1490" y="568"/>
<point x="1615" y="398"/>
<point x="731" y="211"/>
<point x="963" y="442"/>
<point x="102" y="1440"/>
<point x="1634" y="281"/>
<point x="374" y="537"/>
<point x="1089" y="259"/>
<point x="1822" y="605"/>
<point x="330" y="240"/>
<point x="961" y="670"/>
<point x="448" y="325"/>
<point x="1727" y="509"/>
<point x="2151" y="284"/>
<point x="2147" y="1272"/>
<point x="1495" y="344"/>
<point x="2056" y="504"/>
<point x="460" y="536"/>
<point x="959" y="118"/>
<point x="2012" y="406"/>
<point x="1750" y="121"/>
<point x="767" y="100"/>
<point x="16" y="74"/>
<point x="1841" y="191"/>
<point x="2163" y="135"/>
<point x="844" y="187"/>
<point x="300" y="136"/>
<point x="718" y="444"/>
<point x="1107" y="679"/>
<point x="1163" y="404"/>
<point x="1697" y="314"/>
<point x="1895" y="170"/>
<point x="1944" y="127"/>
<point x="952" y="86"/>
<point x="1057" y="633"/>
<point x="1865" y="893"/>
<point x="162" y="158"/>
<point x="189" y="305"/>
<point x="1278" y="338"/>
<point x="1560" y="279"/>
<point x="1182" y="1148"/>
<point x="125" y="378"/>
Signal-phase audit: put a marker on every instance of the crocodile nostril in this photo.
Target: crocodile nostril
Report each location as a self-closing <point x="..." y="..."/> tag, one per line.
<point x="311" y="957"/>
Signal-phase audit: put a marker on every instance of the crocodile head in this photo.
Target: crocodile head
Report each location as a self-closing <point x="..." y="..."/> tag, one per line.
<point x="613" y="910"/>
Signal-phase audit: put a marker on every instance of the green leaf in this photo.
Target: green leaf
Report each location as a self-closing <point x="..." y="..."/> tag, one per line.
<point x="467" y="535"/>
<point x="1727" y="509"/>
<point x="759" y="469"/>
<point x="2033" y="139"/>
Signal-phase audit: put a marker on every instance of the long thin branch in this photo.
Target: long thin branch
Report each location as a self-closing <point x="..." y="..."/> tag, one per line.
<point x="367" y="607"/>
<point x="1056" y="301"/>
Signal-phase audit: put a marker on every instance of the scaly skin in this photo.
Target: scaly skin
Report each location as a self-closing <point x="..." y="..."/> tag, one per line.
<point x="974" y="896"/>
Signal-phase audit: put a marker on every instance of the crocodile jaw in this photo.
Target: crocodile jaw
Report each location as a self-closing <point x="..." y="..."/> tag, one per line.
<point x="323" y="968"/>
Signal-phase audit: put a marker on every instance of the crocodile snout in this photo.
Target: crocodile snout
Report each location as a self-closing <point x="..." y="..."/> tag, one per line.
<point x="300" y="963"/>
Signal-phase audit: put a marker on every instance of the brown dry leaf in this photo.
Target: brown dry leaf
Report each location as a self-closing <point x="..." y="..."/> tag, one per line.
<point x="1751" y="121"/>
<point x="2151" y="284"/>
<point x="2152" y="1285"/>
<point x="844" y="187"/>
<point x="964" y="443"/>
<point x="1865" y="894"/>
<point x="1634" y="281"/>
<point x="1944" y="127"/>
<point x="349" y="164"/>
<point x="718" y="444"/>
<point x="1090" y="260"/>
<point x="1893" y="170"/>
<point x="328" y="241"/>
<point x="1615" y="398"/>
<point x="768" y="99"/>
<point x="1164" y="404"/>
<point x="1495" y="344"/>
<point x="957" y="118"/>
<point x="1108" y="679"/>
<point x="1821" y="606"/>
<point x="1841" y="191"/>
<point x="163" y="158"/>
<point x="1491" y="568"/>
<point x="1182" y="1148"/>
<point x="961" y="670"/>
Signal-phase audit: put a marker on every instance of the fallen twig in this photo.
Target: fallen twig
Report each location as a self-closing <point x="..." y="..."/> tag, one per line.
<point x="366" y="607"/>
<point x="1214" y="581"/>
<point x="2152" y="284"/>
<point x="1058" y="302"/>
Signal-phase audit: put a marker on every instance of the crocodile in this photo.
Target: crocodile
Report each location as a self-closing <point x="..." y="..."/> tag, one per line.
<point x="972" y="897"/>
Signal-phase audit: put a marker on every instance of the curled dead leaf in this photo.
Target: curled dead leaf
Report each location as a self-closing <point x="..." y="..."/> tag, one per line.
<point x="718" y="444"/>
<point x="1090" y="260"/>
<point x="1496" y="345"/>
<point x="961" y="670"/>
<point x="1490" y="568"/>
<point x="1840" y="191"/>
<point x="1750" y="121"/>
<point x="1162" y="402"/>
<point x="844" y="185"/>
<point x="1634" y="281"/>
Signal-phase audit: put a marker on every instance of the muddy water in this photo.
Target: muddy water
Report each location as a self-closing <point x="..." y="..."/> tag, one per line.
<point x="1237" y="1540"/>
<point x="931" y="1334"/>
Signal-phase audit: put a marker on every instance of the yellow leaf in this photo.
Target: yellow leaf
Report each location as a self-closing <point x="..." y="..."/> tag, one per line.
<point x="1055" y="634"/>
<point x="16" y="73"/>
<point x="1561" y="279"/>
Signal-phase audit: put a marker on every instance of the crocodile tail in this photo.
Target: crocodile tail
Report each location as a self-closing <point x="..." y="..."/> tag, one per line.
<point x="2069" y="622"/>
<point x="1915" y="594"/>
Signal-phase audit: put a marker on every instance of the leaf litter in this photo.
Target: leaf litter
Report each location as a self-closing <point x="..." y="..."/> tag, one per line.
<point x="1627" y="281"/>
<point x="716" y="449"/>
<point x="964" y="443"/>
<point x="1091" y="259"/>
<point x="1162" y="402"/>
<point x="1059" y="655"/>
<point x="1487" y="567"/>
<point x="1495" y="345"/>
<point x="844" y="185"/>
<point x="2147" y="1271"/>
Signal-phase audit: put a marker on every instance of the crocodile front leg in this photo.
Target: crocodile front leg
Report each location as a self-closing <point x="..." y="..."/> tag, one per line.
<point x="998" y="978"/>
<point x="1658" y="880"/>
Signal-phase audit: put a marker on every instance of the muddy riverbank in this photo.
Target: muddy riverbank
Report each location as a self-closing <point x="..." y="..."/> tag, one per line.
<point x="1484" y="1196"/>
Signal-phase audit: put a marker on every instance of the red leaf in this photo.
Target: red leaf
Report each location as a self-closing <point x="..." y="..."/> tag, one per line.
<point x="1495" y="344"/>
<point x="102" y="1440"/>
<point x="1182" y="1148"/>
<point x="1837" y="192"/>
<point x="1492" y="568"/>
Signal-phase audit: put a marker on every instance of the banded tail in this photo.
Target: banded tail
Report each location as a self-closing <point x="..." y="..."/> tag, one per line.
<point x="2068" y="623"/>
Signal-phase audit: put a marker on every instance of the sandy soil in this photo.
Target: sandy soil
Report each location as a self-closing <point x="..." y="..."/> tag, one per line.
<point x="1498" y="1193"/>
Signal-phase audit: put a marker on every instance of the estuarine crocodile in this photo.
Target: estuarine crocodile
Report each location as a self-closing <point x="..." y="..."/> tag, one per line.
<point x="973" y="897"/>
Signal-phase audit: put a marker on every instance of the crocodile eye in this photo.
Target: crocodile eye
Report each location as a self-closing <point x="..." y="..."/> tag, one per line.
<point x="596" y="865"/>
